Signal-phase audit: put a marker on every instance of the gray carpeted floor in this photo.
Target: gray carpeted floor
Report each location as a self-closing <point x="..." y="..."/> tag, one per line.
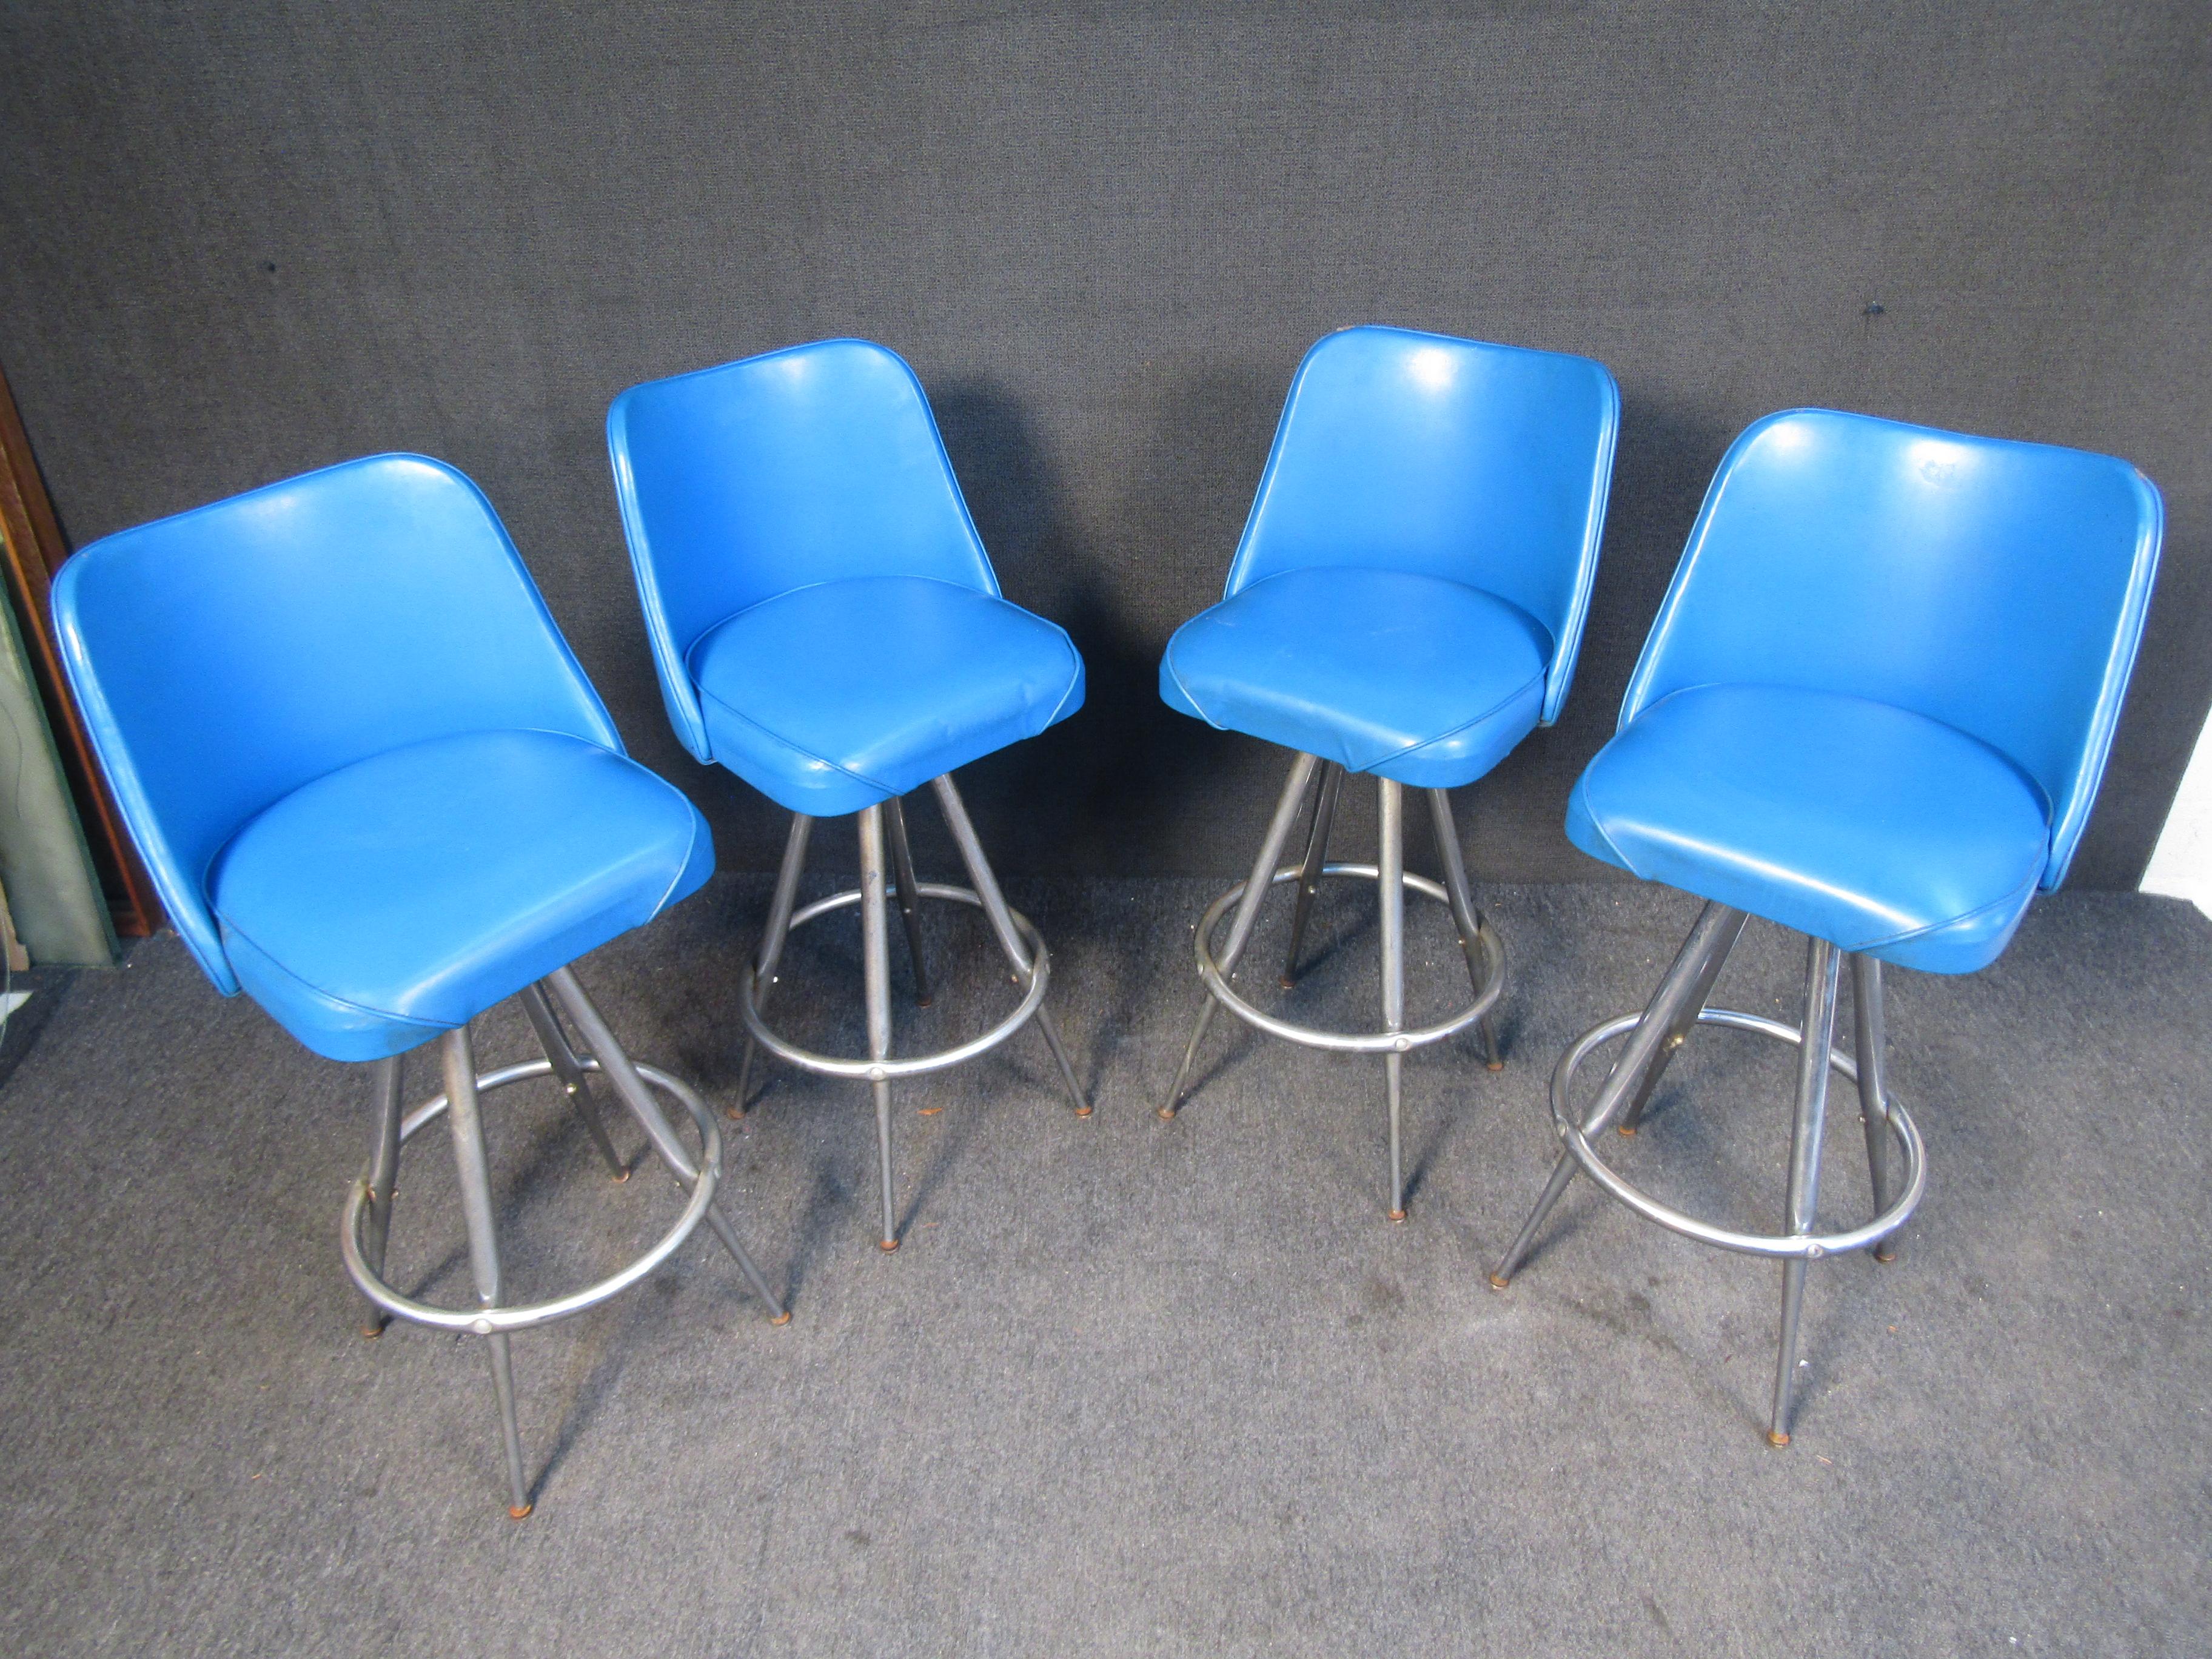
<point x="1132" y="1388"/>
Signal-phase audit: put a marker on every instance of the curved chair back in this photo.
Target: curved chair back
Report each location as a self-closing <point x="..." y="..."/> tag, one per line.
<point x="227" y="656"/>
<point x="1999" y="587"/>
<point x="814" y="464"/>
<point x="1486" y="464"/>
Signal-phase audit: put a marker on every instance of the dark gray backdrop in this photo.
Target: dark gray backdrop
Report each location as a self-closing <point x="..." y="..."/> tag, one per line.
<point x="246" y="240"/>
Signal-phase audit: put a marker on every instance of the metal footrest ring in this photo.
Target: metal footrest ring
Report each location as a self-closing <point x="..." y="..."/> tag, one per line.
<point x="875" y="1071"/>
<point x="1810" y="1246"/>
<point x="486" y="1321"/>
<point x="1350" y="1042"/>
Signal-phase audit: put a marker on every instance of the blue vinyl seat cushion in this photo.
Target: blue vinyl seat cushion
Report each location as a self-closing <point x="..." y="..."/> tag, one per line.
<point x="399" y="897"/>
<point x="1417" y="678"/>
<point x="833" y="697"/>
<point x="1876" y="828"/>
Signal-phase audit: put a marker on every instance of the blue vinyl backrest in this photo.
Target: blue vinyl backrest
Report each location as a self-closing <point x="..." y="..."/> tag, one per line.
<point x="1485" y="464"/>
<point x="814" y="464"/>
<point x="229" y="655"/>
<point x="1999" y="587"/>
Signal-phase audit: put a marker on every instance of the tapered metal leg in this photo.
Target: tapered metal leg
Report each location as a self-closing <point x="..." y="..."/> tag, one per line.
<point x="1390" y="891"/>
<point x="474" y="1171"/>
<point x="1465" y="917"/>
<point x="1868" y="1038"/>
<point x="910" y="897"/>
<point x="1632" y="1117"/>
<point x="1715" y="933"/>
<point x="631" y="1089"/>
<point x="876" y="970"/>
<point x="1822" y="965"/>
<point x="986" y="884"/>
<point x="1248" y="911"/>
<point x="574" y="1080"/>
<point x="772" y="942"/>
<point x="383" y="1174"/>
<point x="1324" y="817"/>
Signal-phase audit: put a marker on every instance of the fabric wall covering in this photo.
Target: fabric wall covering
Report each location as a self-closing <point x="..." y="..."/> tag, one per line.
<point x="251" y="239"/>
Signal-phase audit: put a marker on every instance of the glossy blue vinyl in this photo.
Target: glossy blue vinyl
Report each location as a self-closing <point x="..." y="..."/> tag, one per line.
<point x="370" y="780"/>
<point x="1878" y="698"/>
<point x="1408" y="596"/>
<point x="823" y="619"/>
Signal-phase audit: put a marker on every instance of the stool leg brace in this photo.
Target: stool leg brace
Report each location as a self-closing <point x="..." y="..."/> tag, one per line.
<point x="1485" y="964"/>
<point x="368" y="1220"/>
<point x="887" y="872"/>
<point x="1678" y="1006"/>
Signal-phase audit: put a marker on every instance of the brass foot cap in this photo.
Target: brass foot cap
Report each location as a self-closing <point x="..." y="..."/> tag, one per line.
<point x="923" y="1002"/>
<point x="1628" y="1128"/>
<point x="1885" y="1255"/>
<point x="783" y="1318"/>
<point x="1289" y="982"/>
<point x="621" y="1175"/>
<point x="519" y="1511"/>
<point x="735" y="1114"/>
<point x="1397" y="1215"/>
<point x="1083" y="1111"/>
<point x="1774" y="1438"/>
<point x="1167" y="1113"/>
<point x="370" y="1332"/>
<point x="891" y="1244"/>
<point x="1496" y="1065"/>
<point x="1498" y="1281"/>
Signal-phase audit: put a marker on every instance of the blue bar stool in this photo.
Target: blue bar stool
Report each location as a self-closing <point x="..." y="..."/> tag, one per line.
<point x="1407" y="601"/>
<point x="1875" y="708"/>
<point x="826" y="624"/>
<point x="378" y="795"/>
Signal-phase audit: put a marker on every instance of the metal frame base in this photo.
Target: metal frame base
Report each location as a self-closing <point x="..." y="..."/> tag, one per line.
<point x="365" y="1223"/>
<point x="1485" y="956"/>
<point x="482" y="1321"/>
<point x="886" y="877"/>
<point x="872" y="1070"/>
<point x="1781" y="1246"/>
<point x="1677" y="1008"/>
<point x="1386" y="1042"/>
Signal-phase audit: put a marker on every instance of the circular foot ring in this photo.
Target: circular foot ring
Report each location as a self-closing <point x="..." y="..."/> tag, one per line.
<point x="484" y="1322"/>
<point x="1349" y="1042"/>
<point x="1809" y="1245"/>
<point x="877" y="1071"/>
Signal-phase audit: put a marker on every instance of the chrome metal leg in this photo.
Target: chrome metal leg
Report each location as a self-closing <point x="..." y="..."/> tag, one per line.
<point x="1714" y="935"/>
<point x="986" y="884"/>
<point x="1632" y="1117"/>
<point x="1247" y="910"/>
<point x="574" y="1081"/>
<point x="910" y="897"/>
<point x="616" y="1067"/>
<point x="1390" y="893"/>
<point x="1465" y="917"/>
<point x="1324" y="817"/>
<point x="772" y="942"/>
<point x="383" y="1174"/>
<point x="1822" y="963"/>
<point x="1868" y="1038"/>
<point x="876" y="971"/>
<point x="473" y="1168"/>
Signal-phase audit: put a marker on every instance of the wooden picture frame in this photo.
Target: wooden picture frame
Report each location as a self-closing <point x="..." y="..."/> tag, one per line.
<point x="33" y="550"/>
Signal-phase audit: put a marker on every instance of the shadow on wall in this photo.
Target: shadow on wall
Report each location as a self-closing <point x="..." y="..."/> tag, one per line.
<point x="1117" y="784"/>
<point x="1127" y="784"/>
<point x="1514" y="820"/>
